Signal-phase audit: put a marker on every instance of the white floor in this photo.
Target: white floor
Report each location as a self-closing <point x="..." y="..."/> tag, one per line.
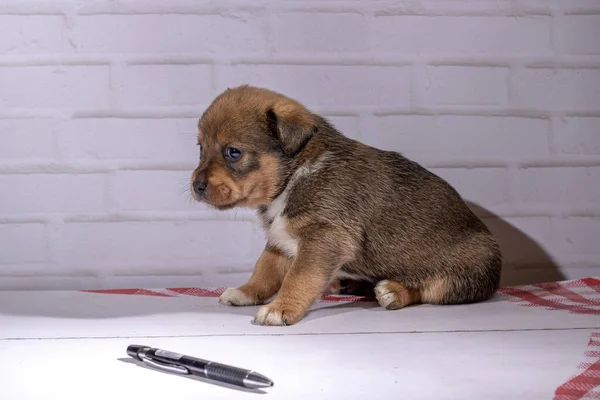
<point x="71" y="345"/>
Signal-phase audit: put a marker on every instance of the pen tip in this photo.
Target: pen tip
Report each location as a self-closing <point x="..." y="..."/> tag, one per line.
<point x="257" y="381"/>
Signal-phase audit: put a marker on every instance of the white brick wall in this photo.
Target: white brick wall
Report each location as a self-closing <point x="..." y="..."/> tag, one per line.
<point x="54" y="86"/>
<point x="99" y="101"/>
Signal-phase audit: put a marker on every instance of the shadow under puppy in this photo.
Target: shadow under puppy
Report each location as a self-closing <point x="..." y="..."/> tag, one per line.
<point x="334" y="208"/>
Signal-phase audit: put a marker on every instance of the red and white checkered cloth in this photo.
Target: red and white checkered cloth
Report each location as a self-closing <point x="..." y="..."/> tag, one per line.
<point x="581" y="296"/>
<point x="586" y="383"/>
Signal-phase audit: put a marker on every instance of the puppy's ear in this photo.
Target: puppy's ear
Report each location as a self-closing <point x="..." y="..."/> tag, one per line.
<point x="292" y="127"/>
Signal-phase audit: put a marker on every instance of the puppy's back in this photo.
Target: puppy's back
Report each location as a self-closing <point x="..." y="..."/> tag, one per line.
<point x="410" y="224"/>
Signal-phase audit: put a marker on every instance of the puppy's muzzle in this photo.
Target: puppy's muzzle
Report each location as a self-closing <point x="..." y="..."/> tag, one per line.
<point x="199" y="187"/>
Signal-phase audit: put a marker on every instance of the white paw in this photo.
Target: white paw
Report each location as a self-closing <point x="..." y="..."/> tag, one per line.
<point x="268" y="316"/>
<point x="335" y="287"/>
<point x="385" y="294"/>
<point x="235" y="297"/>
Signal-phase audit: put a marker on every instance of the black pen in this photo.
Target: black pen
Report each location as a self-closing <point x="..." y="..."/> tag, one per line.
<point x="182" y="364"/>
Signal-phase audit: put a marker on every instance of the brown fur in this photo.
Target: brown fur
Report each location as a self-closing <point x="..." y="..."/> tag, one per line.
<point x="268" y="274"/>
<point x="345" y="209"/>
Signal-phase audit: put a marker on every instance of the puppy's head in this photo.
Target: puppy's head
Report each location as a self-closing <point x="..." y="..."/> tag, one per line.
<point x="247" y="138"/>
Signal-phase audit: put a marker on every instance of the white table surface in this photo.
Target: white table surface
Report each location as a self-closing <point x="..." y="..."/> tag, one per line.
<point x="71" y="345"/>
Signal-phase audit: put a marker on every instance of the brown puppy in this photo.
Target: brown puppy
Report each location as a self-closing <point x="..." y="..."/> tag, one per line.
<point x="334" y="208"/>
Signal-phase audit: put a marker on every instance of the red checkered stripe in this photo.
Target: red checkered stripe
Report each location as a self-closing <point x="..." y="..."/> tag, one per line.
<point x="581" y="296"/>
<point x="586" y="383"/>
<point x="203" y="292"/>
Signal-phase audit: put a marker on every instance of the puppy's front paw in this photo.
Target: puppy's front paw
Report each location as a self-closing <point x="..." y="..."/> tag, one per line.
<point x="277" y="314"/>
<point x="235" y="297"/>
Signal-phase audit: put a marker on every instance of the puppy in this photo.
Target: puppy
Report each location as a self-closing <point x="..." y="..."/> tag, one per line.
<point x="334" y="208"/>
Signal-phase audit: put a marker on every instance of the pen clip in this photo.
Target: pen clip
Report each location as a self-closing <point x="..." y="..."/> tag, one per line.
<point x="165" y="366"/>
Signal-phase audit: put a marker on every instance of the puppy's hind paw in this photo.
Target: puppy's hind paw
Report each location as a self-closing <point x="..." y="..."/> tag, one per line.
<point x="335" y="287"/>
<point x="393" y="295"/>
<point x="235" y="297"/>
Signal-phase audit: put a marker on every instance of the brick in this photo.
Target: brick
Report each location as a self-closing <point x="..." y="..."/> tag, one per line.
<point x="575" y="271"/>
<point x="154" y="190"/>
<point x="33" y="34"/>
<point x="60" y="86"/>
<point x="164" y="247"/>
<point x="305" y="32"/>
<point x="135" y="139"/>
<point x="548" y="271"/>
<point x="28" y="137"/>
<point x="52" y="193"/>
<point x="486" y="187"/>
<point x="580" y="34"/>
<point x="348" y="126"/>
<point x="557" y="88"/>
<point x="169" y="33"/>
<point x="581" y="235"/>
<point x="461" y="35"/>
<point x="325" y="85"/>
<point x="166" y="85"/>
<point x="524" y="241"/>
<point x="451" y="136"/>
<point x="450" y="85"/>
<point x="578" y="135"/>
<point x="563" y="187"/>
<point x="22" y="243"/>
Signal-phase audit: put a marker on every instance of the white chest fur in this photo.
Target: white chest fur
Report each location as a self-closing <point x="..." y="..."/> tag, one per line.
<point x="277" y="233"/>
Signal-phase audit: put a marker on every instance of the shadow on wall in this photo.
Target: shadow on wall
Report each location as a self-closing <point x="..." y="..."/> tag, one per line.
<point x="525" y="261"/>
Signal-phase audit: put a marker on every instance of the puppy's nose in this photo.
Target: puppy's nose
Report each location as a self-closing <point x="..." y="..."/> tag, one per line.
<point x="199" y="187"/>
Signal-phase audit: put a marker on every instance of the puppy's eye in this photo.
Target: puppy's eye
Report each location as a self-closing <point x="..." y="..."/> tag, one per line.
<point x="232" y="153"/>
